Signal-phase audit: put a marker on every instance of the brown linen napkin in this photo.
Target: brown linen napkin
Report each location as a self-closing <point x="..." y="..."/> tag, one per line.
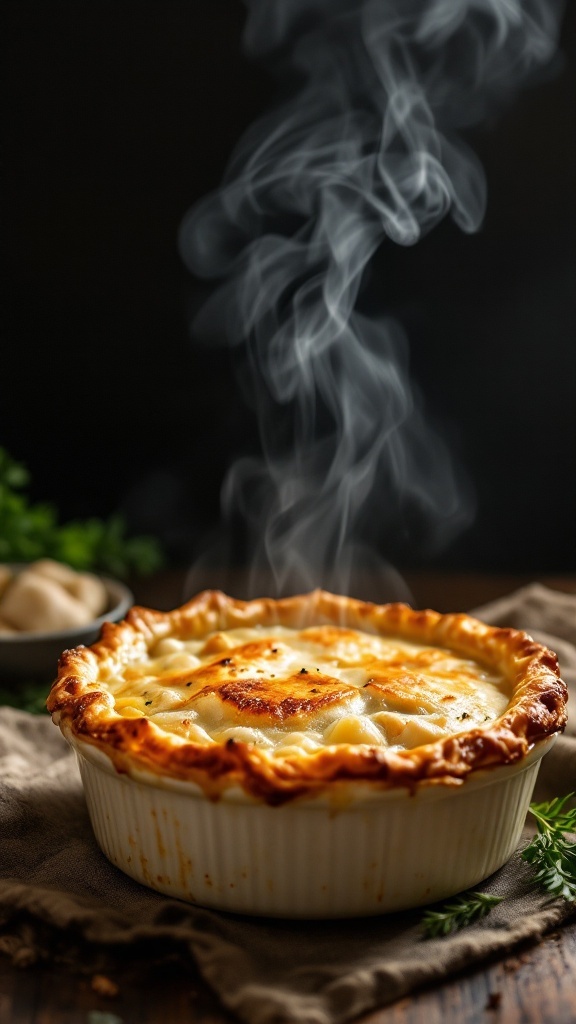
<point x="57" y="890"/>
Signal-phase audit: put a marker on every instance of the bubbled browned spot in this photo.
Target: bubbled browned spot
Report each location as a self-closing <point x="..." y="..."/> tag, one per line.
<point x="280" y="699"/>
<point x="329" y="636"/>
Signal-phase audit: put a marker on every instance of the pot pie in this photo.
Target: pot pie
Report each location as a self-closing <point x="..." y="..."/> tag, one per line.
<point x="312" y="756"/>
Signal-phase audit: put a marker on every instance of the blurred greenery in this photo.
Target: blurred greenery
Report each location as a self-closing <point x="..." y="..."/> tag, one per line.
<point x="30" y="531"/>
<point x="29" y="696"/>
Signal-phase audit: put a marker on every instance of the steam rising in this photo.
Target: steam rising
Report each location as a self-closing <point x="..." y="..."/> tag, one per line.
<point x="361" y="151"/>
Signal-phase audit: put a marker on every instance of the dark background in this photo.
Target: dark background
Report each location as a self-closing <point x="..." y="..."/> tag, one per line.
<point x="116" y="117"/>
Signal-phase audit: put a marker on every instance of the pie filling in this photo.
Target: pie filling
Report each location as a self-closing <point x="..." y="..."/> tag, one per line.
<point x="292" y="691"/>
<point x="307" y="694"/>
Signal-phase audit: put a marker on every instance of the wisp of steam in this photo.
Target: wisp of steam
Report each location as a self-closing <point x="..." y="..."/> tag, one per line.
<point x="362" y="149"/>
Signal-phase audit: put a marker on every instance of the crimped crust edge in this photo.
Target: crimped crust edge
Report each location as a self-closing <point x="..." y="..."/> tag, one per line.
<point x="80" y="703"/>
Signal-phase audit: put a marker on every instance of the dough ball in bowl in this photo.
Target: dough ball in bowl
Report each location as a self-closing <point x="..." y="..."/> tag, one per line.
<point x="47" y="607"/>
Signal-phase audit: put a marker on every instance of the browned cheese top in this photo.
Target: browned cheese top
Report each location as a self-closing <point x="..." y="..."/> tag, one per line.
<point x="286" y="696"/>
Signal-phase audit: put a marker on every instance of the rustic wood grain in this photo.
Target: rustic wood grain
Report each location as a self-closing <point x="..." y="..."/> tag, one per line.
<point x="535" y="985"/>
<point x="170" y="994"/>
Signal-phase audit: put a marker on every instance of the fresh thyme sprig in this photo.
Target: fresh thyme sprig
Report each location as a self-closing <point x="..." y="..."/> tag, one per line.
<point x="472" y="906"/>
<point x="551" y="854"/>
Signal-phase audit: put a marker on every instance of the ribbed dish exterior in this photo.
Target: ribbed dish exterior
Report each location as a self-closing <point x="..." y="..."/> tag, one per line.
<point x="306" y="859"/>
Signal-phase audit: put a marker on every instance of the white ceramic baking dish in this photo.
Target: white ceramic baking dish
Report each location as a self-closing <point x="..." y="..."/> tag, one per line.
<point x="368" y="852"/>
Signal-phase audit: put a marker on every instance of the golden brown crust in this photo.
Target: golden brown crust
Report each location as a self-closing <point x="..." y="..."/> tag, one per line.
<point x="80" y="702"/>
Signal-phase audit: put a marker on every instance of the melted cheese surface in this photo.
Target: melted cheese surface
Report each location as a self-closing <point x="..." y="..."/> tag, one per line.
<point x="295" y="691"/>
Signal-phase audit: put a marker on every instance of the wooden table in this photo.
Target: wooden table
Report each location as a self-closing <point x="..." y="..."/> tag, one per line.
<point x="535" y="985"/>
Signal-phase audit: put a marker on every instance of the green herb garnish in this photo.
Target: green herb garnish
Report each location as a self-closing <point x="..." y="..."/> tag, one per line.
<point x="466" y="909"/>
<point x="30" y="531"/>
<point x="551" y="854"/>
